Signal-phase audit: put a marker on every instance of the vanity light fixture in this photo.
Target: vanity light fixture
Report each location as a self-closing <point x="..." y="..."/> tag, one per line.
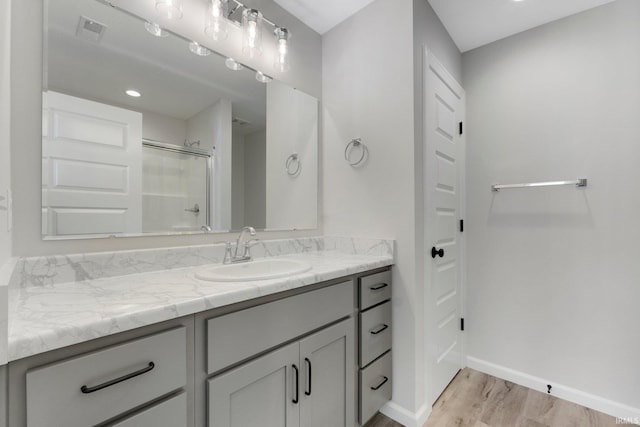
<point x="155" y="29"/>
<point x="232" y="64"/>
<point x="198" y="49"/>
<point x="252" y="32"/>
<point x="281" y="62"/>
<point x="262" y="78"/>
<point x="133" y="93"/>
<point x="170" y="9"/>
<point x="216" y="23"/>
<point x="219" y="13"/>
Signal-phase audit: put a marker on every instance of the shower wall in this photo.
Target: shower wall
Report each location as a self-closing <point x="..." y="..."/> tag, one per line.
<point x="174" y="191"/>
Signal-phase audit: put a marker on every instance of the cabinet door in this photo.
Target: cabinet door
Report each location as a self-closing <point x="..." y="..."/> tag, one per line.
<point x="327" y="383"/>
<point x="260" y="393"/>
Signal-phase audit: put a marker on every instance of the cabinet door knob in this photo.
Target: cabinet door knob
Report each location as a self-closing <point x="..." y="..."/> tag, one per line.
<point x="435" y="252"/>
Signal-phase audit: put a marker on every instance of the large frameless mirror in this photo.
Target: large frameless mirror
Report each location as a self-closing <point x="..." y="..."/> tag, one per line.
<point x="147" y="133"/>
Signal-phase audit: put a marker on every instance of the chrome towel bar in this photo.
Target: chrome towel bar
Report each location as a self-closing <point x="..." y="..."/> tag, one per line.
<point x="581" y="182"/>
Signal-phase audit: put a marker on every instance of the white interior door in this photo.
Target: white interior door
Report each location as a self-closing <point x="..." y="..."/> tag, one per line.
<point x="91" y="167"/>
<point x="443" y="165"/>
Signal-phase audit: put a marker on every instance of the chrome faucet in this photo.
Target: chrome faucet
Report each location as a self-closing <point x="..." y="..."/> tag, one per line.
<point x="246" y="254"/>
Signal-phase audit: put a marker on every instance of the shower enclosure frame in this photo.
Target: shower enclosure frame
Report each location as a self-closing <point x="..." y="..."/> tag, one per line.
<point x="192" y="151"/>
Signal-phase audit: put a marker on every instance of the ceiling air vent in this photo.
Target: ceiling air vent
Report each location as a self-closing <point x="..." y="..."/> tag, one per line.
<point x="91" y="30"/>
<point x="239" y="122"/>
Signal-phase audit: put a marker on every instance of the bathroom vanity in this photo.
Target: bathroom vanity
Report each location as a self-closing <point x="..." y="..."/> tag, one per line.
<point x="309" y="349"/>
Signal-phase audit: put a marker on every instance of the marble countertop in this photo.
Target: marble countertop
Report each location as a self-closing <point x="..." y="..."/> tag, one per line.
<point x="48" y="317"/>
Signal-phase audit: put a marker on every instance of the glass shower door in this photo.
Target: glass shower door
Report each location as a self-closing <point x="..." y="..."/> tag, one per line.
<point x="175" y="188"/>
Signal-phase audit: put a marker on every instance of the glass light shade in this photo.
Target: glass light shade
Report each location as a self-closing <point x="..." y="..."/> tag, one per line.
<point x="170" y="9"/>
<point x="262" y="78"/>
<point x="252" y="32"/>
<point x="215" y="25"/>
<point x="199" y="50"/>
<point x="232" y="64"/>
<point x="155" y="29"/>
<point x="281" y="62"/>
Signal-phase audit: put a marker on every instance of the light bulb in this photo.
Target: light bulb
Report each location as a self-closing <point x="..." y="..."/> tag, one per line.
<point x="199" y="50"/>
<point x="262" y="78"/>
<point x="216" y="23"/>
<point x="232" y="64"/>
<point x="155" y="29"/>
<point x="281" y="62"/>
<point x="252" y="32"/>
<point x="170" y="9"/>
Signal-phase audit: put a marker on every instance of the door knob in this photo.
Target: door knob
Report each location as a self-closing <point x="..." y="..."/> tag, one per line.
<point x="435" y="252"/>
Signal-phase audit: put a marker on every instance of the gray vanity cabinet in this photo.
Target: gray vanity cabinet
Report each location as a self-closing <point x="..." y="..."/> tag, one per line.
<point x="95" y="387"/>
<point x="374" y="343"/>
<point x="326" y="380"/>
<point x="258" y="393"/>
<point x="3" y="396"/>
<point x="307" y="383"/>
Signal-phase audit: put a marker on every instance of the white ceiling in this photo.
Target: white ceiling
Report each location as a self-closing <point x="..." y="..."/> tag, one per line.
<point x="474" y="23"/>
<point x="325" y="14"/>
<point x="471" y="23"/>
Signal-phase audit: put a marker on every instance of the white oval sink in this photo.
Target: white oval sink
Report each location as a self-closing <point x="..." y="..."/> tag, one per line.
<point x="253" y="270"/>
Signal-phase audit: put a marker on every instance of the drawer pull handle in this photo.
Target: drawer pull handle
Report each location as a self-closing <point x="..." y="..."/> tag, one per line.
<point x="377" y="288"/>
<point x="87" y="390"/>
<point x="383" y="382"/>
<point x="308" y="362"/>
<point x="382" y="328"/>
<point x="295" y="399"/>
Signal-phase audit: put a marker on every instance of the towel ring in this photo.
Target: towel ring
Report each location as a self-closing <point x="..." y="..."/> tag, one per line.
<point x="349" y="148"/>
<point x="293" y="159"/>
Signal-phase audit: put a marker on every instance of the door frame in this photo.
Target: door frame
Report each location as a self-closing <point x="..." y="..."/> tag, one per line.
<point x="430" y="61"/>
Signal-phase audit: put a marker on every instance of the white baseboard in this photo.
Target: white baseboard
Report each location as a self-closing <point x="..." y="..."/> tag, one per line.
<point x="405" y="417"/>
<point x="598" y="403"/>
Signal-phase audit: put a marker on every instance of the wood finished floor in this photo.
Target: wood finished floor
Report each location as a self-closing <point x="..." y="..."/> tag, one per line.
<point x="474" y="399"/>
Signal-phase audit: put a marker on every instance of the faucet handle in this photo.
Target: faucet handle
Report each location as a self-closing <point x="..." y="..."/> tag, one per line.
<point x="227" y="254"/>
<point x="247" y="247"/>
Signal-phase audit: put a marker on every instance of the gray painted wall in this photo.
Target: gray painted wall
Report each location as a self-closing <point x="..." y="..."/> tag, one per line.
<point x="255" y="190"/>
<point x="26" y="82"/>
<point x="368" y="93"/>
<point x="5" y="135"/>
<point x="553" y="273"/>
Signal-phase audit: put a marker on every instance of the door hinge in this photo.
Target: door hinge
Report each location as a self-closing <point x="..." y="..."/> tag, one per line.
<point x="462" y="324"/>
<point x="462" y="225"/>
<point x="460" y="128"/>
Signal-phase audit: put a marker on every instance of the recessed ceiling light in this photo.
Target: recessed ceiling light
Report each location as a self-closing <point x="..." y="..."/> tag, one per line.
<point x="232" y="64"/>
<point x="133" y="93"/>
<point x="262" y="78"/>
<point x="155" y="29"/>
<point x="199" y="50"/>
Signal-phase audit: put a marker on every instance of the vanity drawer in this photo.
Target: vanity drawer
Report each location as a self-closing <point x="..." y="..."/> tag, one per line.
<point x="375" y="333"/>
<point x="172" y="412"/>
<point x="70" y="393"/>
<point x="236" y="337"/>
<point x="375" y="387"/>
<point x="374" y="289"/>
